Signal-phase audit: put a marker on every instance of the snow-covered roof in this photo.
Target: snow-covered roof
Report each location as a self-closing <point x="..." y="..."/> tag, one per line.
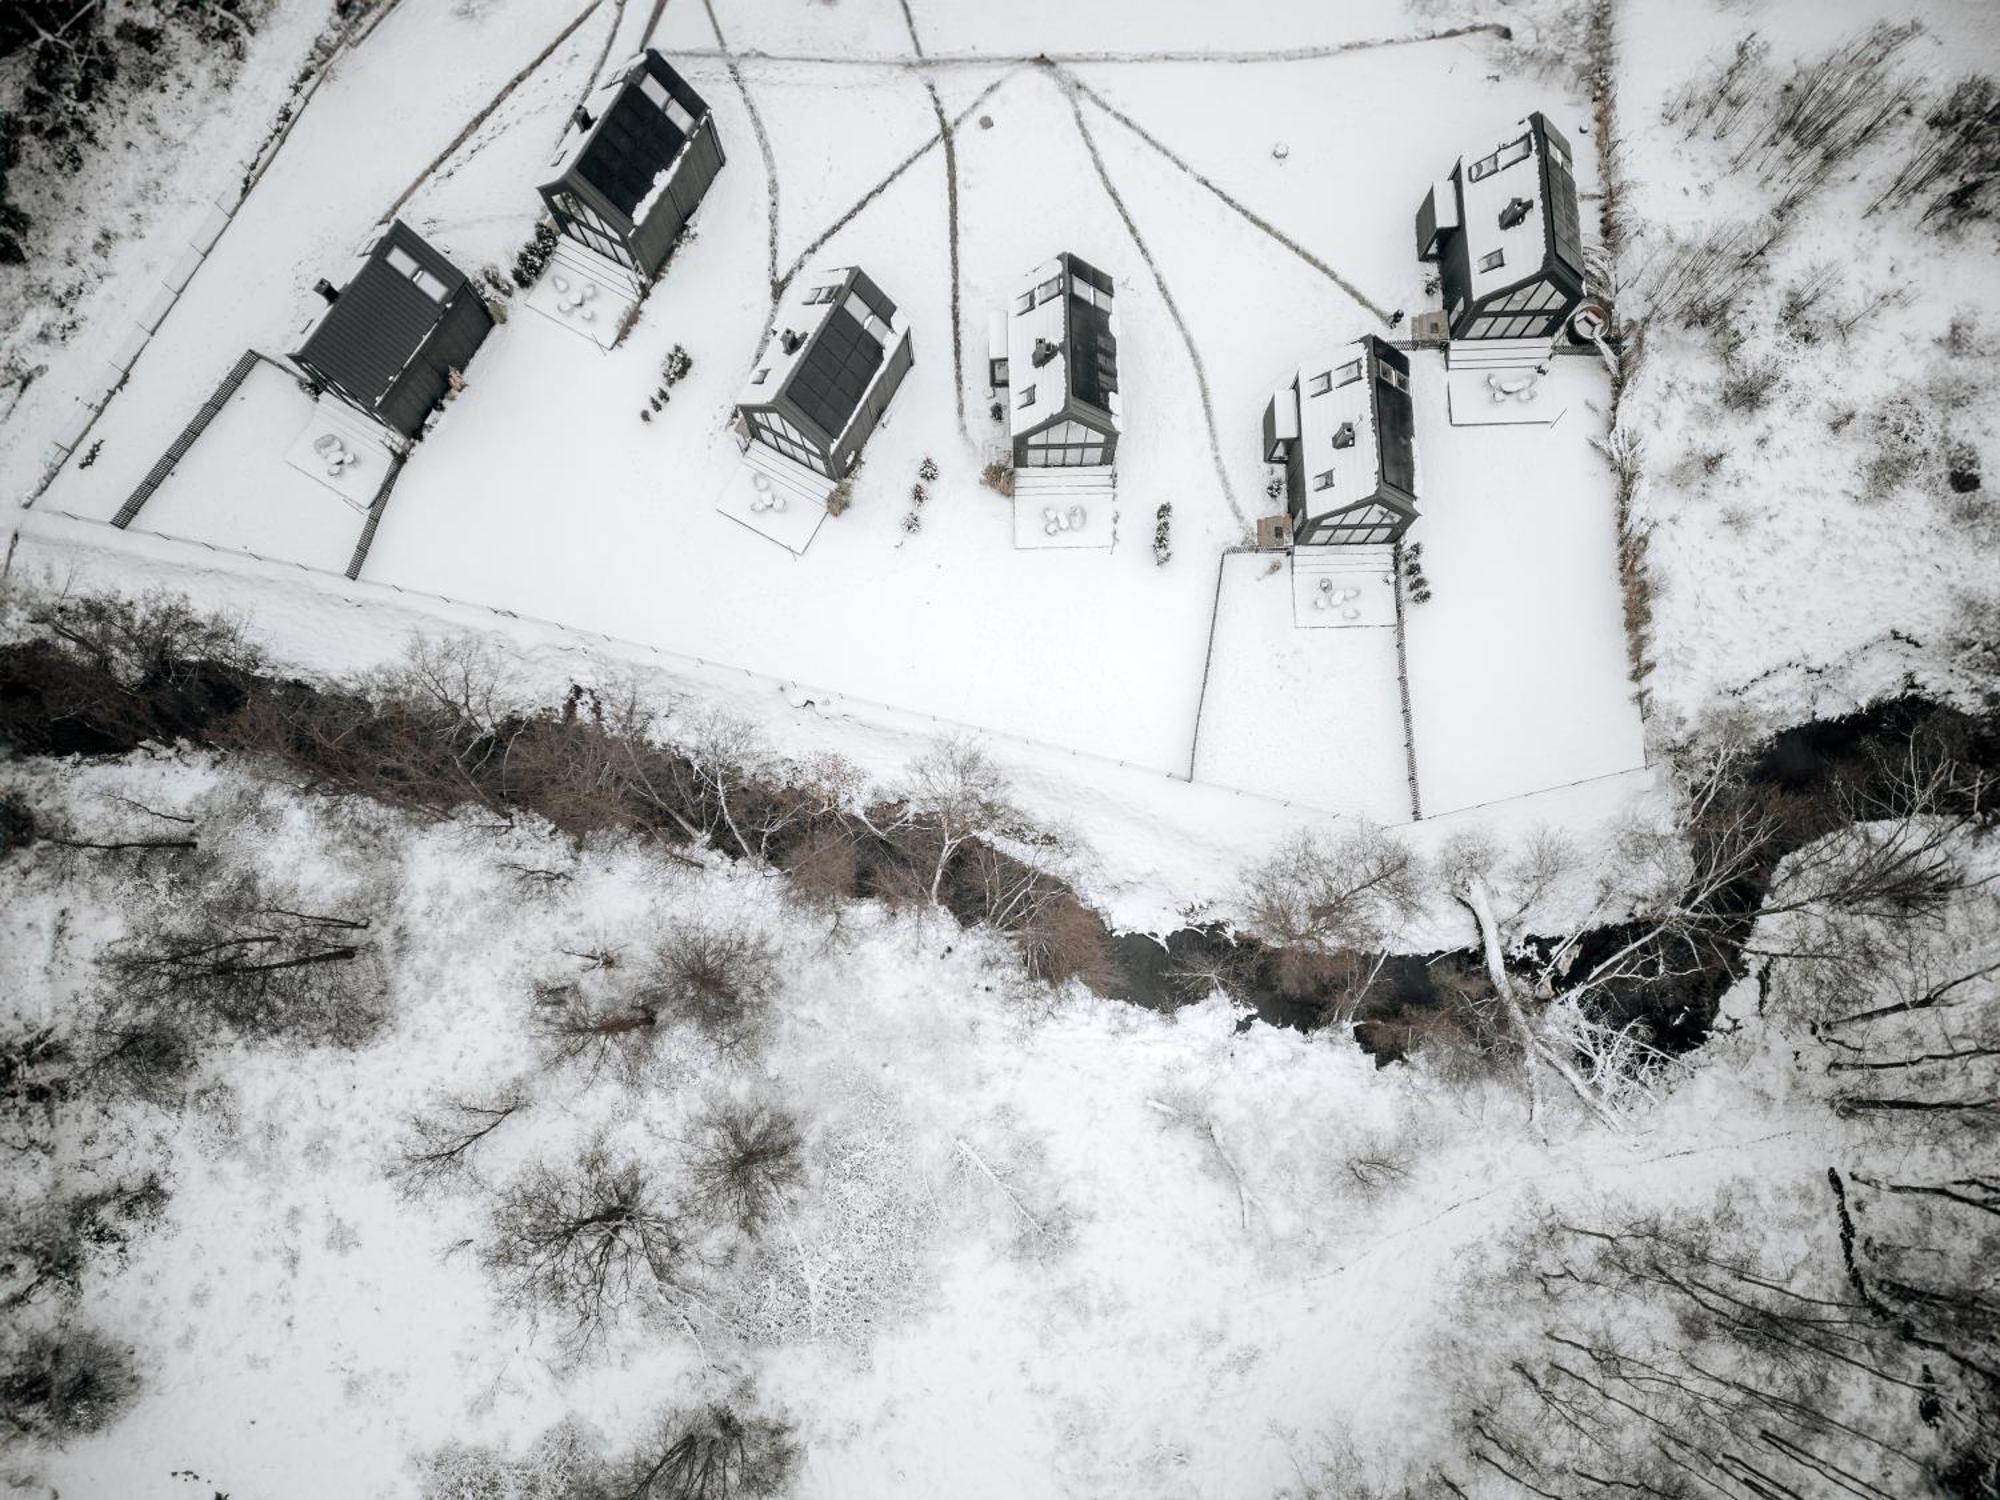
<point x="1506" y="212"/>
<point x="829" y="338"/>
<point x="630" y="134"/>
<point x="1063" y="311"/>
<point x="1335" y="407"/>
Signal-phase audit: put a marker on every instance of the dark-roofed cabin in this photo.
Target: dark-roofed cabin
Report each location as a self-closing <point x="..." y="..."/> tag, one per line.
<point x="638" y="158"/>
<point x="837" y="351"/>
<point x="1345" y="432"/>
<point x="395" y="333"/>
<point x="1504" y="232"/>
<point x="1061" y="366"/>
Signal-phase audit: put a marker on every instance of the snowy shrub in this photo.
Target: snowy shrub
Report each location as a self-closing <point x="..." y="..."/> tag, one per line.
<point x="1747" y="390"/>
<point x="1163" y="525"/>
<point x="63" y="1383"/>
<point x="1000" y="477"/>
<point x="824" y="868"/>
<point x="1956" y="167"/>
<point x="45" y="1248"/>
<point x="1331" y="891"/>
<point x="860" y="1244"/>
<point x="840" y="498"/>
<point x="674" y="368"/>
<point x="927" y="471"/>
<point x="742" y="1161"/>
<point x="719" y="982"/>
<point x="564" y="1463"/>
<point x="997" y="411"/>
<point x="533" y="257"/>
<point x="912" y="523"/>
<point x="1274" y="487"/>
<point x="716" y="1452"/>
<point x="1411" y="560"/>
<point x="919" y="496"/>
<point x="1059" y="939"/>
<point x="583" y="1241"/>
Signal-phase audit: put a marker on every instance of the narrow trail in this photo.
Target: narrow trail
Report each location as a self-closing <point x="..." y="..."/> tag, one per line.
<point x="947" y="134"/>
<point x="728" y="59"/>
<point x="492" y="105"/>
<point x="888" y="180"/>
<point x="1063" y="82"/>
<point x="1063" y="59"/>
<point x="1380" y="313"/>
<point x="603" y="53"/>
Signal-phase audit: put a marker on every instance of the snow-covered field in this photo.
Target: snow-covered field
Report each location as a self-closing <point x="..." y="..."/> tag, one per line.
<point x="541" y="493"/>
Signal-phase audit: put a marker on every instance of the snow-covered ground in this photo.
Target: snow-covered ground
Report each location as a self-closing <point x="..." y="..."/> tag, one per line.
<point x="1190" y="1283"/>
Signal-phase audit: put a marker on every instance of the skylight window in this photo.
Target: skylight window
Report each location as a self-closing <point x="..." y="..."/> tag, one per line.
<point x="1320" y="384"/>
<point x="1512" y="152"/>
<point x="679" y="117"/>
<point x="1049" y="290"/>
<point x="1026" y="304"/>
<point x="1323" y="480"/>
<point x="1494" y="261"/>
<point x="404" y="263"/>
<point x="1348" y="373"/>
<point x="1026" y="398"/>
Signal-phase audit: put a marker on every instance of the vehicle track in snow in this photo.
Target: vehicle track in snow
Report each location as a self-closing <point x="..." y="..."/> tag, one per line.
<point x="1066" y="59"/>
<point x="947" y="135"/>
<point x="728" y="60"/>
<point x="1247" y="213"/>
<point x="1067" y="84"/>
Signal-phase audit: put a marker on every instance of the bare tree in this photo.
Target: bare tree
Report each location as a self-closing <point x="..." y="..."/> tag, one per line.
<point x="65" y="1382"/>
<point x="440" y="1145"/>
<point x="955" y="791"/>
<point x="715" y="1452"/>
<point x="584" y="1241"/>
<point x="230" y="955"/>
<point x="744" y="1160"/>
<point x="719" y="981"/>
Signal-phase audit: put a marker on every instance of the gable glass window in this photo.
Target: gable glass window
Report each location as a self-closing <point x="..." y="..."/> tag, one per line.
<point x="1320" y="384"/>
<point x="655" y="90"/>
<point x="1494" y="261"/>
<point x="1390" y="375"/>
<point x="401" y="260"/>
<point x="1557" y="154"/>
<point x="678" y="116"/>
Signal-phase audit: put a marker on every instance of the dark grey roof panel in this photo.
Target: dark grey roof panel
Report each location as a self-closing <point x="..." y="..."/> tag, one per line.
<point x="634" y="141"/>
<point x="382" y="318"/>
<point x="829" y="381"/>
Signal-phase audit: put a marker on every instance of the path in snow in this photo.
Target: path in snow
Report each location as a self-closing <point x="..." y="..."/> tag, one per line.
<point x="1064" y="59"/>
<point x="728" y="59"/>
<point x="951" y="226"/>
<point x="1255" y="219"/>
<point x="1068" y="86"/>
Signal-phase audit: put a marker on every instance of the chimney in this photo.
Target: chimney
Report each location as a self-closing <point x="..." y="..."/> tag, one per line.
<point x="1515" y="211"/>
<point x="1044" y="352"/>
<point x="327" y="290"/>
<point x="790" y="340"/>
<point x="583" y="118"/>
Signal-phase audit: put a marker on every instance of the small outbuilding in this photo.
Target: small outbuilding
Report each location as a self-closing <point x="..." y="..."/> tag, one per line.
<point x="836" y="352"/>
<point x="393" y="337"/>
<point x="1504" y="232"/>
<point x="639" y="156"/>
<point x="1345" y="432"/>
<point x="1058" y="358"/>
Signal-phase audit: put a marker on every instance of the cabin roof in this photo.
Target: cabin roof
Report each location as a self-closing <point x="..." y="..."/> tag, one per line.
<point x="395" y="299"/>
<point x="844" y="326"/>
<point x="1517" y="200"/>
<point x="641" y="116"/>
<point x="1064" y="308"/>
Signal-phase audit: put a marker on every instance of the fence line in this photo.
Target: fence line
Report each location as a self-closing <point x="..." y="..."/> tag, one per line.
<point x="375" y="508"/>
<point x="177" y="450"/>
<point x="817" y="697"/>
<point x="1403" y="687"/>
